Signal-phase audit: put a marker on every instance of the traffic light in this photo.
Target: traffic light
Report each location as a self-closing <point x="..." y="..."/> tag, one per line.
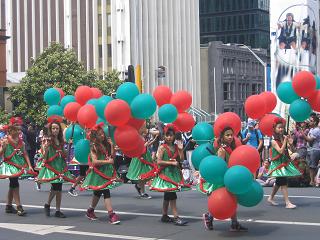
<point x="129" y="74"/>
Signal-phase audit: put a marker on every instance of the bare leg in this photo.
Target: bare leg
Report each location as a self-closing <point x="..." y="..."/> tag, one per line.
<point x="165" y="207"/>
<point x="108" y="205"/>
<point x="312" y="176"/>
<point x="10" y="196"/>
<point x="58" y="200"/>
<point x="173" y="204"/>
<point x="142" y="187"/>
<point x="284" y="190"/>
<point x="94" y="201"/>
<point x="275" y="189"/>
<point x="52" y="194"/>
<point x="16" y="196"/>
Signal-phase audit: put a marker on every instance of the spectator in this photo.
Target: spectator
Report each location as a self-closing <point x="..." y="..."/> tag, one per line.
<point x="263" y="178"/>
<point x="252" y="136"/>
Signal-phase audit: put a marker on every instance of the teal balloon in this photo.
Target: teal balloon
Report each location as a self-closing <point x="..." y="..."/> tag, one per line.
<point x="238" y="179"/>
<point x="55" y="110"/>
<point x="252" y="197"/>
<point x="286" y="93"/>
<point x="109" y="133"/>
<point x="200" y="153"/>
<point x="52" y="96"/>
<point x="212" y="169"/>
<point x="300" y="110"/>
<point x="168" y="113"/>
<point x="78" y="133"/>
<point x="93" y="102"/>
<point x="82" y="150"/>
<point x="127" y="92"/>
<point x="203" y="133"/>
<point x="318" y="82"/>
<point x="100" y="120"/>
<point x="101" y="104"/>
<point x="67" y="99"/>
<point x="143" y="106"/>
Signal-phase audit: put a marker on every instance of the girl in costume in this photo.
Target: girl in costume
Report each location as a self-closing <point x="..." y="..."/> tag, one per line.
<point x="54" y="169"/>
<point x="101" y="175"/>
<point x="224" y="146"/>
<point x="15" y="163"/>
<point x="169" y="178"/>
<point x="281" y="166"/>
<point x="142" y="168"/>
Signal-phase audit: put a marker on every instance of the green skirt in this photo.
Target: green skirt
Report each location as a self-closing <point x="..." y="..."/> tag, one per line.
<point x="141" y="169"/>
<point x="207" y="188"/>
<point x="9" y="171"/>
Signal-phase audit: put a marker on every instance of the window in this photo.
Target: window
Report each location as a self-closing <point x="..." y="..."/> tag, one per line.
<point x="228" y="91"/>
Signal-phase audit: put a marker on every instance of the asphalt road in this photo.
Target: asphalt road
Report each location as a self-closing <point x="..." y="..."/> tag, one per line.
<point x="140" y="219"/>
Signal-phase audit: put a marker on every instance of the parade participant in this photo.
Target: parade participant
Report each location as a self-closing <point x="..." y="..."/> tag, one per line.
<point x="142" y="168"/>
<point x="54" y="168"/>
<point x="281" y="166"/>
<point x="15" y="163"/>
<point x="101" y="175"/>
<point x="224" y="146"/>
<point x="169" y="178"/>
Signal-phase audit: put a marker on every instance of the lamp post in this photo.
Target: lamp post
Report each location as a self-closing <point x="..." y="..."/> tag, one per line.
<point x="260" y="60"/>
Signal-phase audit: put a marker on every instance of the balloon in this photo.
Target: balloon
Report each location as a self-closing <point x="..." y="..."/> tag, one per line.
<point x="100" y="120"/>
<point x="255" y="106"/>
<point x="55" y="110"/>
<point x="182" y="100"/>
<point x="71" y="111"/>
<point x="252" y="197"/>
<point x="266" y="124"/>
<point x="304" y="83"/>
<point x="238" y="179"/>
<point x="318" y="82"/>
<point x="127" y="91"/>
<point x="300" y="110"/>
<point x="270" y="101"/>
<point x="212" y="169"/>
<point x="200" y="153"/>
<point x="82" y="150"/>
<point x="126" y="137"/>
<point x="93" y="102"/>
<point x="162" y="95"/>
<point x="185" y="122"/>
<point x="117" y="112"/>
<point x="87" y="116"/>
<point x="83" y="94"/>
<point x="61" y="92"/>
<point x="227" y="119"/>
<point x="202" y="133"/>
<point x="96" y="92"/>
<point x="286" y="93"/>
<point x="143" y="106"/>
<point x="101" y="105"/>
<point x="136" y="123"/>
<point x="138" y="151"/>
<point x="168" y="113"/>
<point x="314" y="101"/>
<point x="78" y="133"/>
<point x="67" y="99"/>
<point x="52" y="96"/>
<point x="222" y="204"/>
<point x="246" y="156"/>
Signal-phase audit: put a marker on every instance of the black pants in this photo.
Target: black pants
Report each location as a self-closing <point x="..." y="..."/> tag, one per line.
<point x="168" y="196"/>
<point x="281" y="181"/>
<point x="106" y="193"/>
<point x="56" y="187"/>
<point x="14" y="183"/>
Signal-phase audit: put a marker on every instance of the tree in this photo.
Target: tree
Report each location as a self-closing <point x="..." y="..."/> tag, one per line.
<point x="55" y="67"/>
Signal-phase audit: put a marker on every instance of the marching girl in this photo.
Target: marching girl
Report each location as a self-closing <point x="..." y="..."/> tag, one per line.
<point x="15" y="163"/>
<point x="142" y="168"/>
<point x="281" y="166"/>
<point x="169" y="178"/>
<point x="54" y="169"/>
<point x="101" y="175"/>
<point x="226" y="143"/>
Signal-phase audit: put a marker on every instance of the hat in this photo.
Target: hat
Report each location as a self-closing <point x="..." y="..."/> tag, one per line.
<point x="251" y="123"/>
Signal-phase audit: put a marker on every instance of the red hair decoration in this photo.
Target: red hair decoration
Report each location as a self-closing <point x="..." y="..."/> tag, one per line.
<point x="5" y="128"/>
<point x="278" y="120"/>
<point x="170" y="126"/>
<point x="16" y="121"/>
<point x="94" y="128"/>
<point x="54" y="119"/>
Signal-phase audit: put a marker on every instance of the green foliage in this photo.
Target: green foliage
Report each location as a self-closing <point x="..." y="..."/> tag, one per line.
<point x="4" y="116"/>
<point x="56" y="67"/>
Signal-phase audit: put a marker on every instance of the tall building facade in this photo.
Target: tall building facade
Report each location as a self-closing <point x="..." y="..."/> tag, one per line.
<point x="235" y="21"/>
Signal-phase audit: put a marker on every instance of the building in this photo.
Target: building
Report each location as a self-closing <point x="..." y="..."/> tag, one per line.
<point x="229" y="74"/>
<point x="236" y="21"/>
<point x="160" y="35"/>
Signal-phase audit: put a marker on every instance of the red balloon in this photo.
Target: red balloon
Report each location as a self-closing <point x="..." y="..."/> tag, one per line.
<point x="227" y="119"/>
<point x="266" y="124"/>
<point x="222" y="204"/>
<point x="71" y="110"/>
<point x="87" y="116"/>
<point x="270" y="100"/>
<point x="138" y="151"/>
<point x="246" y="156"/>
<point x="304" y="83"/>
<point x="254" y="106"/>
<point x="61" y="92"/>
<point x="117" y="112"/>
<point x="96" y="92"/>
<point x="162" y="95"/>
<point x="184" y="122"/>
<point x="83" y="94"/>
<point x="126" y="137"/>
<point x="314" y="101"/>
<point x="136" y="123"/>
<point x="181" y="100"/>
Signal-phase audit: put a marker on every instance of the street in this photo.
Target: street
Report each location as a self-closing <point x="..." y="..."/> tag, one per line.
<point x="140" y="219"/>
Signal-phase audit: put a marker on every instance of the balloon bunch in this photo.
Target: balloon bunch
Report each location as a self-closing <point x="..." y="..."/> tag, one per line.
<point x="303" y="95"/>
<point x="173" y="106"/>
<point x="53" y="97"/>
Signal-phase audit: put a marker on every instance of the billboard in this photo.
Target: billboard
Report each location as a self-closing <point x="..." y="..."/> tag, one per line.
<point x="294" y="26"/>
